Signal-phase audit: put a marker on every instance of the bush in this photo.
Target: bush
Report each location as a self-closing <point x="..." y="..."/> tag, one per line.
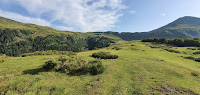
<point x="192" y="48"/>
<point x="171" y="50"/>
<point x="104" y="55"/>
<point x="190" y="57"/>
<point x="196" y="53"/>
<point x="132" y="45"/>
<point x="74" y="65"/>
<point x="2" y="61"/>
<point x="50" y="64"/>
<point x="194" y="74"/>
<point x="62" y="59"/>
<point x="95" y="67"/>
<point x="116" y="48"/>
<point x="156" y="40"/>
<point x="154" y="47"/>
<point x="197" y="59"/>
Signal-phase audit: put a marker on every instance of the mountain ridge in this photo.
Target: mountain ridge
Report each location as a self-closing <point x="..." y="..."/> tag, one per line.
<point x="184" y="27"/>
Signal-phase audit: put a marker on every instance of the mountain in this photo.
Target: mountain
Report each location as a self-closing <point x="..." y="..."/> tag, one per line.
<point x="17" y="38"/>
<point x="185" y="27"/>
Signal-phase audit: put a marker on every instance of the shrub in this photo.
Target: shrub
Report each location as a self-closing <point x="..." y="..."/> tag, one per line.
<point x="171" y="50"/>
<point x="62" y="59"/>
<point x="70" y="53"/>
<point x="156" y="40"/>
<point x="192" y="48"/>
<point x="74" y="65"/>
<point x="190" y="57"/>
<point x="50" y="64"/>
<point x="194" y="73"/>
<point x="2" y="61"/>
<point x="116" y="48"/>
<point x="132" y="45"/>
<point x="154" y="47"/>
<point x="39" y="53"/>
<point x="196" y="53"/>
<point x="197" y="59"/>
<point x="95" y="67"/>
<point x="27" y="54"/>
<point x="104" y="55"/>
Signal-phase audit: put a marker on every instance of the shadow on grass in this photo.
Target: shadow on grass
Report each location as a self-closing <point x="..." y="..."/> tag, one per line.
<point x="77" y="73"/>
<point x="38" y="70"/>
<point x="34" y="71"/>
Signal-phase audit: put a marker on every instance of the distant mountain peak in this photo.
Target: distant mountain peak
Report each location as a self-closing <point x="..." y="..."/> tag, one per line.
<point x="188" y="20"/>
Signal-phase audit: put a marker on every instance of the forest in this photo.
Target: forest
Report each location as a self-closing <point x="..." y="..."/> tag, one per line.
<point x="180" y="42"/>
<point x="16" y="42"/>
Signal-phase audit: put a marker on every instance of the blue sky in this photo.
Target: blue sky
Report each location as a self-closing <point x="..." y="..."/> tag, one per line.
<point x="99" y="15"/>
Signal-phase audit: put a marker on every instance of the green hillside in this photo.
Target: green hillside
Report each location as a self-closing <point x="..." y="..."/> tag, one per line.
<point x="185" y="27"/>
<point x="17" y="38"/>
<point x="141" y="69"/>
<point x="101" y="63"/>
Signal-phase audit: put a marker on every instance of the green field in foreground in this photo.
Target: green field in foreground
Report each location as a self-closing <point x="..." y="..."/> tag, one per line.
<point x="142" y="68"/>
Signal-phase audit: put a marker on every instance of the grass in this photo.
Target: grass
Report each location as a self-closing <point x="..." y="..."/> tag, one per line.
<point x="139" y="69"/>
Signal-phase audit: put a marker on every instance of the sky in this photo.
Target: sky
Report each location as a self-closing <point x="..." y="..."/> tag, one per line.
<point x="99" y="15"/>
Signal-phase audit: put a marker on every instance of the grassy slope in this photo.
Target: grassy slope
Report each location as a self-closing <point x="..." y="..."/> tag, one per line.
<point x="40" y="30"/>
<point x="138" y="70"/>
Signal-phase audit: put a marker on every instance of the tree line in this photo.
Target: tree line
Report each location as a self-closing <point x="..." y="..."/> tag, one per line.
<point x="180" y="42"/>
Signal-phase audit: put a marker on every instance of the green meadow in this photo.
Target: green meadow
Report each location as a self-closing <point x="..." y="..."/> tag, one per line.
<point x="141" y="69"/>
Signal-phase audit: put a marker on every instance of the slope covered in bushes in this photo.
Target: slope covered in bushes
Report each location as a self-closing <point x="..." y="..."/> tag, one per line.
<point x="17" y="38"/>
<point x="180" y="42"/>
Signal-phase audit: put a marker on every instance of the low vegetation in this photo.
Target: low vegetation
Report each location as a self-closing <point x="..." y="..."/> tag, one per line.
<point x="190" y="57"/>
<point x="104" y="55"/>
<point x="196" y="52"/>
<point x="197" y="59"/>
<point x="194" y="73"/>
<point x="2" y="60"/>
<point x="74" y="65"/>
<point x="180" y="42"/>
<point x="192" y="48"/>
<point x="116" y="48"/>
<point x="49" y="52"/>
<point x="193" y="58"/>
<point x="171" y="50"/>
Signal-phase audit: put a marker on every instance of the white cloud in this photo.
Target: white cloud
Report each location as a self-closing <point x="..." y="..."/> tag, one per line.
<point x="78" y="15"/>
<point x="163" y="14"/>
<point x="132" y="12"/>
<point x="24" y="19"/>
